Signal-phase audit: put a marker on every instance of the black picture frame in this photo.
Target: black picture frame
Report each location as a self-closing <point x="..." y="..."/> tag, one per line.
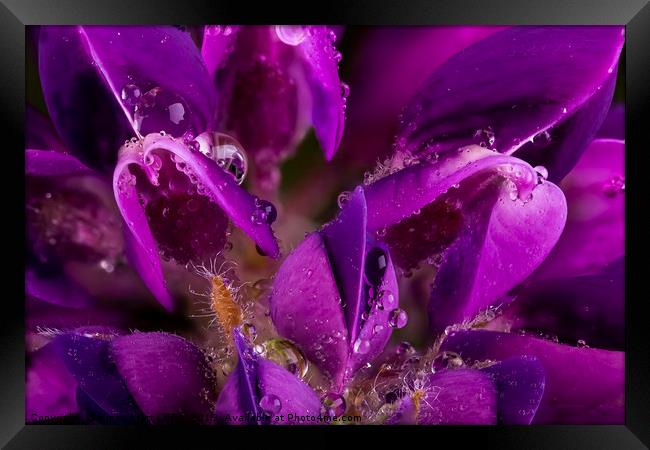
<point x="16" y="14"/>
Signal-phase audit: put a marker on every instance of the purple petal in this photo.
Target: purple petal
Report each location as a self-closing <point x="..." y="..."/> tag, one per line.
<point x="58" y="291"/>
<point x="165" y="374"/>
<point x="296" y="397"/>
<point x="586" y="307"/>
<point x="321" y="63"/>
<point x="305" y="307"/>
<point x="49" y="387"/>
<point x="583" y="385"/>
<point x="614" y="125"/>
<point x="595" y="231"/>
<point x="570" y="138"/>
<point x="48" y="163"/>
<point x="515" y="84"/>
<point x="84" y="70"/>
<point x="39" y="132"/>
<point x="218" y="42"/>
<point x="386" y="72"/>
<point x="89" y="362"/>
<point x="509" y="238"/>
<point x="520" y="383"/>
<point x="459" y="397"/>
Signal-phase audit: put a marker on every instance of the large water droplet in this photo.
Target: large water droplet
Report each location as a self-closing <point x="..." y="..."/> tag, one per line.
<point x="270" y="404"/>
<point x="361" y="346"/>
<point x="291" y="34"/>
<point x="159" y="109"/>
<point x="398" y="318"/>
<point x="130" y="94"/>
<point x="226" y="151"/>
<point x="265" y="212"/>
<point x="286" y="354"/>
<point x="541" y="171"/>
<point x="615" y="185"/>
<point x="333" y="404"/>
<point x="375" y="266"/>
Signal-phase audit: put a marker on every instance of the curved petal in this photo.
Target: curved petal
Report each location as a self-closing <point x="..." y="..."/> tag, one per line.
<point x="520" y="384"/>
<point x="39" y="132"/>
<point x="49" y="163"/>
<point x="165" y="374"/>
<point x="218" y="42"/>
<point x="583" y="385"/>
<point x="509" y="240"/>
<point x="595" y="231"/>
<point x="512" y="86"/>
<point x="458" y="397"/>
<point x="614" y="125"/>
<point x="587" y="307"/>
<point x="305" y="307"/>
<point x="296" y="397"/>
<point x="59" y="291"/>
<point x="328" y="105"/>
<point x="84" y="70"/>
<point x="89" y="362"/>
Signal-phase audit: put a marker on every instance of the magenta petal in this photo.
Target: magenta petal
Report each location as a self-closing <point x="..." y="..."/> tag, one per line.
<point x="321" y="63"/>
<point x="509" y="239"/>
<point x="583" y="385"/>
<point x="595" y="231"/>
<point x="48" y="163"/>
<point x="50" y="388"/>
<point x="165" y="374"/>
<point x="345" y="239"/>
<point x="614" y="125"/>
<point x="515" y="83"/>
<point x="218" y="42"/>
<point x="520" y="383"/>
<point x="459" y="397"/>
<point x="59" y="291"/>
<point x="296" y="397"/>
<point x="39" y="132"/>
<point x="305" y="307"/>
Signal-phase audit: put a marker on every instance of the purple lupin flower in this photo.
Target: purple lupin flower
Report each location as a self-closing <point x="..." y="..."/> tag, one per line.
<point x="124" y="81"/>
<point x="336" y="295"/>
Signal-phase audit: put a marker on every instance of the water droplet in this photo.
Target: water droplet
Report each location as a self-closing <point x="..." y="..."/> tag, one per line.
<point x="266" y="210"/>
<point x="446" y="360"/>
<point x="398" y="318"/>
<point x="130" y="94"/>
<point x="385" y="300"/>
<point x="270" y="404"/>
<point x="375" y="265"/>
<point x="361" y="346"/>
<point x="107" y="266"/>
<point x="378" y="329"/>
<point x="542" y="139"/>
<point x="286" y="354"/>
<point x="226" y="151"/>
<point x="485" y="137"/>
<point x="249" y="330"/>
<point x="405" y="348"/>
<point x="345" y="90"/>
<point x="582" y="344"/>
<point x="541" y="171"/>
<point x="213" y="30"/>
<point x="333" y="404"/>
<point x="291" y="34"/>
<point x="343" y="198"/>
<point x="615" y="185"/>
<point x="159" y="109"/>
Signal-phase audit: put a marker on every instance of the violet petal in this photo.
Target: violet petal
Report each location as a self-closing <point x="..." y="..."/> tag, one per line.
<point x="320" y="59"/>
<point x="520" y="383"/>
<point x="165" y="374"/>
<point x="58" y="290"/>
<point x="614" y="125"/>
<point x="218" y="42"/>
<point x="583" y="385"/>
<point x="515" y="83"/>
<point x="48" y="163"/>
<point x="305" y="307"/>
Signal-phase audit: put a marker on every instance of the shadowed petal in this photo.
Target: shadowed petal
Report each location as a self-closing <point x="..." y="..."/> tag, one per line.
<point x="305" y="307"/>
<point x="520" y="383"/>
<point x="321" y="62"/>
<point x="58" y="290"/>
<point x="165" y="374"/>
<point x="583" y="385"/>
<point x="39" y="132"/>
<point x="84" y="70"/>
<point x="218" y="42"/>
<point x="614" y="125"/>
<point x="48" y="163"/>
<point x="595" y="231"/>
<point x="514" y="85"/>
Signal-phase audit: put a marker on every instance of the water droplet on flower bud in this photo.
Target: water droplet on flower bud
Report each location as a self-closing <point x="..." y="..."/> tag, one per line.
<point x="361" y="346"/>
<point x="291" y="34"/>
<point x="582" y="344"/>
<point x="375" y="266"/>
<point x="266" y="210"/>
<point x="226" y="151"/>
<point x="345" y="90"/>
<point x="249" y="330"/>
<point x="130" y="94"/>
<point x="343" y="198"/>
<point x="333" y="404"/>
<point x="541" y="171"/>
<point x="286" y="354"/>
<point x="270" y="404"/>
<point x="542" y="139"/>
<point x="397" y="318"/>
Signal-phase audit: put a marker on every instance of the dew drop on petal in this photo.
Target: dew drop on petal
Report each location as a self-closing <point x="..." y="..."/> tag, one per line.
<point x="286" y="354"/>
<point x="397" y="318"/>
<point x="361" y="346"/>
<point x="130" y="94"/>
<point x="542" y="139"/>
<point x="270" y="404"/>
<point x="226" y="151"/>
<point x="615" y="185"/>
<point x="159" y="109"/>
<point x="291" y="34"/>
<point x="375" y="265"/>
<point x="333" y="404"/>
<point x="541" y="171"/>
